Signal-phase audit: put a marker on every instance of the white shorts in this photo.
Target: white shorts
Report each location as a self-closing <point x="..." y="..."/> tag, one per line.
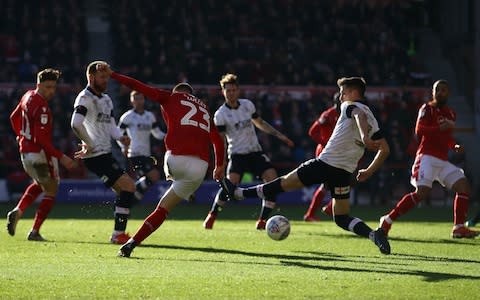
<point x="186" y="172"/>
<point x="40" y="167"/>
<point x="427" y="169"/>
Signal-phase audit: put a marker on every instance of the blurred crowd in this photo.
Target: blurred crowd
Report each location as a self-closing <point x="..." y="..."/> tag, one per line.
<point x="270" y="43"/>
<point x="281" y="42"/>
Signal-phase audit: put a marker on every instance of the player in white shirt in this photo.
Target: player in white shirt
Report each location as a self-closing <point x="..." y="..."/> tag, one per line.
<point x="235" y="120"/>
<point x="94" y="124"/>
<point x="138" y="124"/>
<point x="356" y="130"/>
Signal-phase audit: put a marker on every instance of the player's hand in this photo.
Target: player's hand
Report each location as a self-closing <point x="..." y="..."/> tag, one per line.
<point x="219" y="173"/>
<point x="104" y="67"/>
<point x="363" y="175"/>
<point x="125" y="140"/>
<point x="68" y="163"/>
<point x="446" y="124"/>
<point x="84" y="150"/>
<point x="287" y="141"/>
<point x="459" y="149"/>
<point x="371" y="144"/>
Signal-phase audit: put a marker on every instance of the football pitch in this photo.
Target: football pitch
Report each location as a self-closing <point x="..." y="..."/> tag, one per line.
<point x="182" y="260"/>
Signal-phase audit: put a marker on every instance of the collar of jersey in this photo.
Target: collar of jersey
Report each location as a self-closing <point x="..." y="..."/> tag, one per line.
<point x="93" y="92"/>
<point x="226" y="104"/>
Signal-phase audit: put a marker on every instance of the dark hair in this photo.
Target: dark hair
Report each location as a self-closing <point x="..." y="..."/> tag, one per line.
<point x="183" y="87"/>
<point x="357" y="83"/>
<point x="48" y="74"/>
<point x="92" y="67"/>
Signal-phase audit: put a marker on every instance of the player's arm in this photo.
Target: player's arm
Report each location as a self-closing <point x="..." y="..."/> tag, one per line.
<point x="218" y="142"/>
<point x="16" y="119"/>
<point x="156" y="131"/>
<point x="117" y="134"/>
<point x="265" y="127"/>
<point x="42" y="136"/>
<point x="360" y="118"/>
<point x="122" y="127"/>
<point x="78" y="117"/>
<point x="315" y="131"/>
<point x="382" y="154"/>
<point x="157" y="95"/>
<point x="427" y="125"/>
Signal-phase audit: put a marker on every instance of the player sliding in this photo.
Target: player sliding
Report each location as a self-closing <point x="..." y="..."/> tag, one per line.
<point x="355" y="130"/>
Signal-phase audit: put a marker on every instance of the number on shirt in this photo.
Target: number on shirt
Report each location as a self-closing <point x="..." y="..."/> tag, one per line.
<point x="25" y="131"/>
<point x="186" y="120"/>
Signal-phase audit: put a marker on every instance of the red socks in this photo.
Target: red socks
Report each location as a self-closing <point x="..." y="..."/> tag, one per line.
<point x="42" y="212"/>
<point x="460" y="208"/>
<point x="404" y="205"/>
<point x="151" y="223"/>
<point x="30" y="194"/>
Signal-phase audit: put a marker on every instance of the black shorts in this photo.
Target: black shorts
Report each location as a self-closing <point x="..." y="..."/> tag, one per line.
<point x="105" y="167"/>
<point x="315" y="171"/>
<point x="142" y="164"/>
<point x="255" y="162"/>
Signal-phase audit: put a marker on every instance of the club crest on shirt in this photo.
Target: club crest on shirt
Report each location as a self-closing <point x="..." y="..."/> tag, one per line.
<point x="44" y="119"/>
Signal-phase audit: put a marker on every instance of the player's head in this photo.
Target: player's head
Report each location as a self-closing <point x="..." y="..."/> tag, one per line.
<point x="97" y="80"/>
<point x="351" y="88"/>
<point x="230" y="87"/>
<point x="47" y="82"/>
<point x="183" y="87"/>
<point x="440" y="91"/>
<point x="137" y="100"/>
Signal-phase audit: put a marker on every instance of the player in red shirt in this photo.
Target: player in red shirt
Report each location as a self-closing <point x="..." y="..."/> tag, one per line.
<point x="320" y="132"/>
<point x="190" y="132"/>
<point x="32" y="122"/>
<point x="435" y="124"/>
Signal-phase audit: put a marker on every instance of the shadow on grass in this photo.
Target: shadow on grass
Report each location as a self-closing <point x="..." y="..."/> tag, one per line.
<point x="463" y="242"/>
<point x="427" y="276"/>
<point x="295" y="260"/>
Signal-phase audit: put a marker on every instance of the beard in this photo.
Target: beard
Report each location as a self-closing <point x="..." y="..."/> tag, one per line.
<point x="99" y="87"/>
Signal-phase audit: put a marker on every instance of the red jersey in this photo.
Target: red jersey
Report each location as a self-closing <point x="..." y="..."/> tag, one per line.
<point x="32" y="122"/>
<point x="433" y="141"/>
<point x="190" y="128"/>
<point x="322" y="128"/>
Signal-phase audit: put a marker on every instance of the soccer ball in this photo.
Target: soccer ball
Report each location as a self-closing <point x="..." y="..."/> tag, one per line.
<point x="278" y="227"/>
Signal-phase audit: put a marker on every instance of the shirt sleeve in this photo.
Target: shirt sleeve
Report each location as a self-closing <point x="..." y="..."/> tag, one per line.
<point x="425" y="124"/>
<point x="218" y="146"/>
<point x="154" y="94"/>
<point x="16" y="119"/>
<point x="42" y="133"/>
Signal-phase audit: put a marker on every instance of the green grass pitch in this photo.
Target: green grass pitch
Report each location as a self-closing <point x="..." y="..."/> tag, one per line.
<point x="181" y="260"/>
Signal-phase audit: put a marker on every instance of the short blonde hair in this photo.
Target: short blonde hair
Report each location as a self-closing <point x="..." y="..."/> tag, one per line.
<point x="92" y="67"/>
<point x="228" y="79"/>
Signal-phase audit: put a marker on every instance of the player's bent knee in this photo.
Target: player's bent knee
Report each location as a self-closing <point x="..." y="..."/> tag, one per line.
<point x="342" y="221"/>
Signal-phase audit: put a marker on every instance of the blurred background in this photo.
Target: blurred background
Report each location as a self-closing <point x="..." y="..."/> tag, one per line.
<point x="287" y="54"/>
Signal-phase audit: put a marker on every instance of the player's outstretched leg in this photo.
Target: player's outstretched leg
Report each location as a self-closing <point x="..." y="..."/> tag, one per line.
<point x="228" y="188"/>
<point x="380" y="239"/>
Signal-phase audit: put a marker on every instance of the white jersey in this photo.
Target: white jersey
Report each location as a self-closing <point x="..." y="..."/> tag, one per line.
<point x="139" y="127"/>
<point x="345" y="147"/>
<point x="239" y="129"/>
<point x="97" y="120"/>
